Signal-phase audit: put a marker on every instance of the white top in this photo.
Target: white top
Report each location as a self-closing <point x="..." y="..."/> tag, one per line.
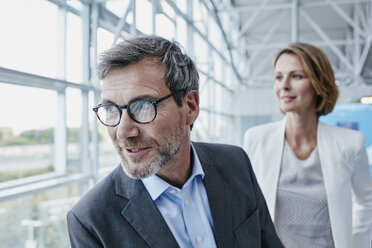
<point x="301" y="211"/>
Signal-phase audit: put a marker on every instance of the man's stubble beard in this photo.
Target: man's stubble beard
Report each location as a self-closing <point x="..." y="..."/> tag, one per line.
<point x="133" y="167"/>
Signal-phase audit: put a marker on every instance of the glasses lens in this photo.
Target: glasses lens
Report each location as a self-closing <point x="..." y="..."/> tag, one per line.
<point x="109" y="114"/>
<point x="142" y="111"/>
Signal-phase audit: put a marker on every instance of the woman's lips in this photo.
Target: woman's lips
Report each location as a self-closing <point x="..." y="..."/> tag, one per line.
<point x="287" y="98"/>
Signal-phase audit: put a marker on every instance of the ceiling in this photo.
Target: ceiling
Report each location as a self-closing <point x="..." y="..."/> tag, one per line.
<point x="341" y="28"/>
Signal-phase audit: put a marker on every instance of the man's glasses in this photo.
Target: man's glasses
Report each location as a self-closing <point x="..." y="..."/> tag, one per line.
<point x="141" y="111"/>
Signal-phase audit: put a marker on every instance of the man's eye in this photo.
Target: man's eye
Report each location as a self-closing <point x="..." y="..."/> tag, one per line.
<point x="139" y="105"/>
<point x="110" y="108"/>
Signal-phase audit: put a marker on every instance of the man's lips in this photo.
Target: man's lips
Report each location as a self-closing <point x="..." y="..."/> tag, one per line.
<point x="131" y="151"/>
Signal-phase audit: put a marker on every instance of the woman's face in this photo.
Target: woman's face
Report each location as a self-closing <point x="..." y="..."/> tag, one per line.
<point x="292" y="87"/>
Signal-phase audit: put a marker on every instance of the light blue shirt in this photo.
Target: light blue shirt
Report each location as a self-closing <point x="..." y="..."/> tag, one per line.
<point x="185" y="210"/>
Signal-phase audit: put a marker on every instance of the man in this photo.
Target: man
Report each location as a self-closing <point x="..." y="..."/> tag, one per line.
<point x="167" y="192"/>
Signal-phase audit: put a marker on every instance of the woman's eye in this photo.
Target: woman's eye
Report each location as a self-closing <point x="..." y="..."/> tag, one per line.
<point x="278" y="77"/>
<point x="297" y="76"/>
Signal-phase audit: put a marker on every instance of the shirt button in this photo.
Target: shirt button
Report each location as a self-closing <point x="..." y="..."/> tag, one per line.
<point x="199" y="239"/>
<point x="172" y="191"/>
<point x="186" y="203"/>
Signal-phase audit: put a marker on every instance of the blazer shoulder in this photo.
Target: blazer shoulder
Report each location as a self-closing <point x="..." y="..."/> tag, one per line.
<point x="224" y="159"/>
<point x="259" y="135"/>
<point x="216" y="148"/>
<point x="97" y="197"/>
<point x="345" y="137"/>
<point x="260" y="130"/>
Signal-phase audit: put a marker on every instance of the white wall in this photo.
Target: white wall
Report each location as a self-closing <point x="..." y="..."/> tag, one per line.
<point x="254" y="106"/>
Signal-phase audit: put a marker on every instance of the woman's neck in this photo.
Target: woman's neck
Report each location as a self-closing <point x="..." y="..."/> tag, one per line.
<point x="301" y="133"/>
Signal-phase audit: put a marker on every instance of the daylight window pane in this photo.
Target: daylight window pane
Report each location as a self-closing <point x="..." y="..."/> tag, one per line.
<point x="29" y="34"/>
<point x="164" y="27"/>
<point x="144" y="16"/>
<point x="73" y="121"/>
<point x="26" y="131"/>
<point x="74" y="60"/>
<point x="38" y="219"/>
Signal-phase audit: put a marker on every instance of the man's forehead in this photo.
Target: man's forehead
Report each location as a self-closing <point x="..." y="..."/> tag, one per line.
<point x="150" y="62"/>
<point x="122" y="87"/>
<point x="143" y="69"/>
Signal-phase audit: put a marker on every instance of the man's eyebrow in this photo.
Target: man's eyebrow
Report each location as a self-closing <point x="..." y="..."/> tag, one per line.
<point x="142" y="97"/>
<point x="106" y="101"/>
<point x="137" y="98"/>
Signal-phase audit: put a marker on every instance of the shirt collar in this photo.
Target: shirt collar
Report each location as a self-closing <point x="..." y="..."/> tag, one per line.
<point x="156" y="186"/>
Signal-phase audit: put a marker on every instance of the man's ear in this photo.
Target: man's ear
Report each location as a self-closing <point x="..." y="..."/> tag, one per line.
<point x="192" y="103"/>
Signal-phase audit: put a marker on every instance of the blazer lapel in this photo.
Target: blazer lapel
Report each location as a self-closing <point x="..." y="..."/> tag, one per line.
<point x="326" y="150"/>
<point x="274" y="159"/>
<point x="219" y="199"/>
<point x="142" y="213"/>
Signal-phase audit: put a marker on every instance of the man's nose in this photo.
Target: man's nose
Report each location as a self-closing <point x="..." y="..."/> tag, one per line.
<point x="127" y="127"/>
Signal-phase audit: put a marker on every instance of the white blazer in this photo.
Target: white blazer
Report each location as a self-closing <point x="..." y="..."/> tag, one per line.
<point x="346" y="175"/>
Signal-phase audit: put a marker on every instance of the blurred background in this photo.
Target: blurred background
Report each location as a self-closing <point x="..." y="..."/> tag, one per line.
<point x="52" y="150"/>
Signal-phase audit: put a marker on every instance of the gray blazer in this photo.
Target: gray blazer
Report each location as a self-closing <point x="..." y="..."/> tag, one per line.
<point x="119" y="212"/>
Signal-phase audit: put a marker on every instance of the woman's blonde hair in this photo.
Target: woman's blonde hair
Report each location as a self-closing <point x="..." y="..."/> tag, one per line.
<point x="319" y="70"/>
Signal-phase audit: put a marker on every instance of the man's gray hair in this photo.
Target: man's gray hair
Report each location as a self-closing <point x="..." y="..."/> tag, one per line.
<point x="181" y="73"/>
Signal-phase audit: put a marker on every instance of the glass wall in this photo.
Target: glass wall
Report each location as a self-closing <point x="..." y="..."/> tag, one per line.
<point x="37" y="220"/>
<point x="27" y="131"/>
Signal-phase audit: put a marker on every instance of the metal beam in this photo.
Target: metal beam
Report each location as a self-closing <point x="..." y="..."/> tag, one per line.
<point x="252" y="18"/>
<point x="324" y="3"/>
<point x="345" y="16"/>
<point x="60" y="133"/>
<point x="94" y="81"/>
<point x="294" y="34"/>
<point x="314" y="42"/>
<point x="154" y="6"/>
<point x="121" y="23"/>
<point x="266" y="38"/>
<point x="349" y="47"/>
<point x="216" y="112"/>
<point x="264" y="61"/>
<point x="224" y="86"/>
<point x="32" y="80"/>
<point x="108" y="20"/>
<point x="229" y="49"/>
<point x="325" y="37"/>
<point x="39" y="186"/>
<point x="190" y="22"/>
<point x="255" y="7"/>
<point x="204" y="19"/>
<point x="63" y="4"/>
<point x="210" y="11"/>
<point x="133" y="26"/>
<point x="356" y="30"/>
<point x="256" y="35"/>
<point x="283" y="6"/>
<point x="85" y="166"/>
<point x="190" y="28"/>
<point x="363" y="57"/>
<point x="364" y="20"/>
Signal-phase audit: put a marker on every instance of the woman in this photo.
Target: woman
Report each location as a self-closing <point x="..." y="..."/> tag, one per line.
<point x="309" y="171"/>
